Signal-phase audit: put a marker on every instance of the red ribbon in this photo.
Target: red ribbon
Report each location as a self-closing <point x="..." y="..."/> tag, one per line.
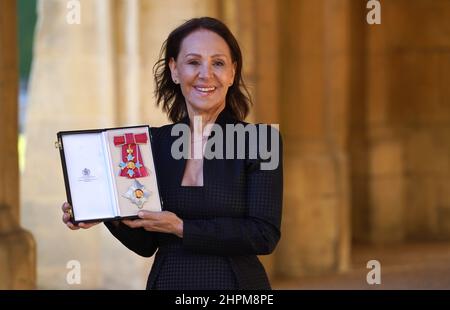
<point x="132" y="141"/>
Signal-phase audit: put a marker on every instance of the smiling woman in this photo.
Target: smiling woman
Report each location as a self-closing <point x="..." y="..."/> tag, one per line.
<point x="209" y="48"/>
<point x="219" y="214"/>
<point x="204" y="69"/>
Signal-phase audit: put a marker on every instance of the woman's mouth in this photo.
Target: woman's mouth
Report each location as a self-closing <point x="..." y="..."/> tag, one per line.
<point x="205" y="90"/>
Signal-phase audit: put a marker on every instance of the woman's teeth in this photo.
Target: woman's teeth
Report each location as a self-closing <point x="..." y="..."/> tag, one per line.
<point x="205" y="89"/>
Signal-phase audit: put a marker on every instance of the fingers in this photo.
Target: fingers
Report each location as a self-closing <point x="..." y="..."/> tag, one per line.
<point x="149" y="225"/>
<point x="149" y="215"/>
<point x="127" y="222"/>
<point x="65" y="206"/>
<point x="67" y="212"/>
<point x="145" y="217"/>
<point x="134" y="223"/>
<point x="66" y="216"/>
<point x="80" y="225"/>
<point x="87" y="225"/>
<point x="146" y="224"/>
<point x="72" y="226"/>
<point x="166" y="222"/>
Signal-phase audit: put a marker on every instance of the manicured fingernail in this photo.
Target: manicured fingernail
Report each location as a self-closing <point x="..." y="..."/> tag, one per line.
<point x="141" y="214"/>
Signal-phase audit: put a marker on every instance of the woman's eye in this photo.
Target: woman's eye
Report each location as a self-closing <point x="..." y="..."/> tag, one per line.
<point x="193" y="62"/>
<point x="219" y="63"/>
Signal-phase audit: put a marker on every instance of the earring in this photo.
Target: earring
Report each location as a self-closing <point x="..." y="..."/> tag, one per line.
<point x="175" y="81"/>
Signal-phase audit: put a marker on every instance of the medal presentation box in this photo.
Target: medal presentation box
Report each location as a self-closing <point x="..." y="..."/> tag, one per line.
<point x="109" y="174"/>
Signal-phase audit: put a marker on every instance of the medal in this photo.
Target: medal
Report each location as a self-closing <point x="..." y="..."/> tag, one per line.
<point x="137" y="194"/>
<point x="131" y="165"/>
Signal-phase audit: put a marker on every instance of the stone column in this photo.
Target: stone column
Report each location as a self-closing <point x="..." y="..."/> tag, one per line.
<point x="257" y="31"/>
<point x="385" y="146"/>
<point x="314" y="88"/>
<point x="239" y="16"/>
<point x="17" y="246"/>
<point x="408" y="121"/>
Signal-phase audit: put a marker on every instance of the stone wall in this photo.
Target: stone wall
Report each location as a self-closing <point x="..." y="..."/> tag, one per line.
<point x="314" y="82"/>
<point x="401" y="121"/>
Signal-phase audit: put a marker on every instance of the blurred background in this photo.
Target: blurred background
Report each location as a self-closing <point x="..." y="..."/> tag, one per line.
<point x="364" y="110"/>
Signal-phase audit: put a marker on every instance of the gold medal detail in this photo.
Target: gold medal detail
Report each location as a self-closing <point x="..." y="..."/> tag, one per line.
<point x="129" y="150"/>
<point x="138" y="193"/>
<point x="131" y="165"/>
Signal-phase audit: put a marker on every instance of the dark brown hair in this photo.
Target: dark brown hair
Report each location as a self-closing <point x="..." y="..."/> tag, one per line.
<point x="169" y="94"/>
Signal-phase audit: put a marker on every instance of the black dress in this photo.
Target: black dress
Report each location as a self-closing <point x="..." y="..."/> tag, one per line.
<point x="233" y="218"/>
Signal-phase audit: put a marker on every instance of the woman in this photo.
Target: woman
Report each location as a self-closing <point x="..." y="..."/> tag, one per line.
<point x="219" y="214"/>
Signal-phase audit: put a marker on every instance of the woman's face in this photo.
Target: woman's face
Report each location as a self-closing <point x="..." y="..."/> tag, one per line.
<point x="205" y="70"/>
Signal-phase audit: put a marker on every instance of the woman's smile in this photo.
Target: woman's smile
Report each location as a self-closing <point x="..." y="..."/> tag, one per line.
<point x="205" y="91"/>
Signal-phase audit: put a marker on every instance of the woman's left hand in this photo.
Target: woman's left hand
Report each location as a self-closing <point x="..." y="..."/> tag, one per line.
<point x="164" y="221"/>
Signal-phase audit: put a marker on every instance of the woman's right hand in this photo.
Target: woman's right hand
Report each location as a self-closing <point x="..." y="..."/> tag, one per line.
<point x="66" y="219"/>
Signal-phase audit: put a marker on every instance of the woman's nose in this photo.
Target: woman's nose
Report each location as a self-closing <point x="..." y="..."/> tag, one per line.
<point x="205" y="71"/>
